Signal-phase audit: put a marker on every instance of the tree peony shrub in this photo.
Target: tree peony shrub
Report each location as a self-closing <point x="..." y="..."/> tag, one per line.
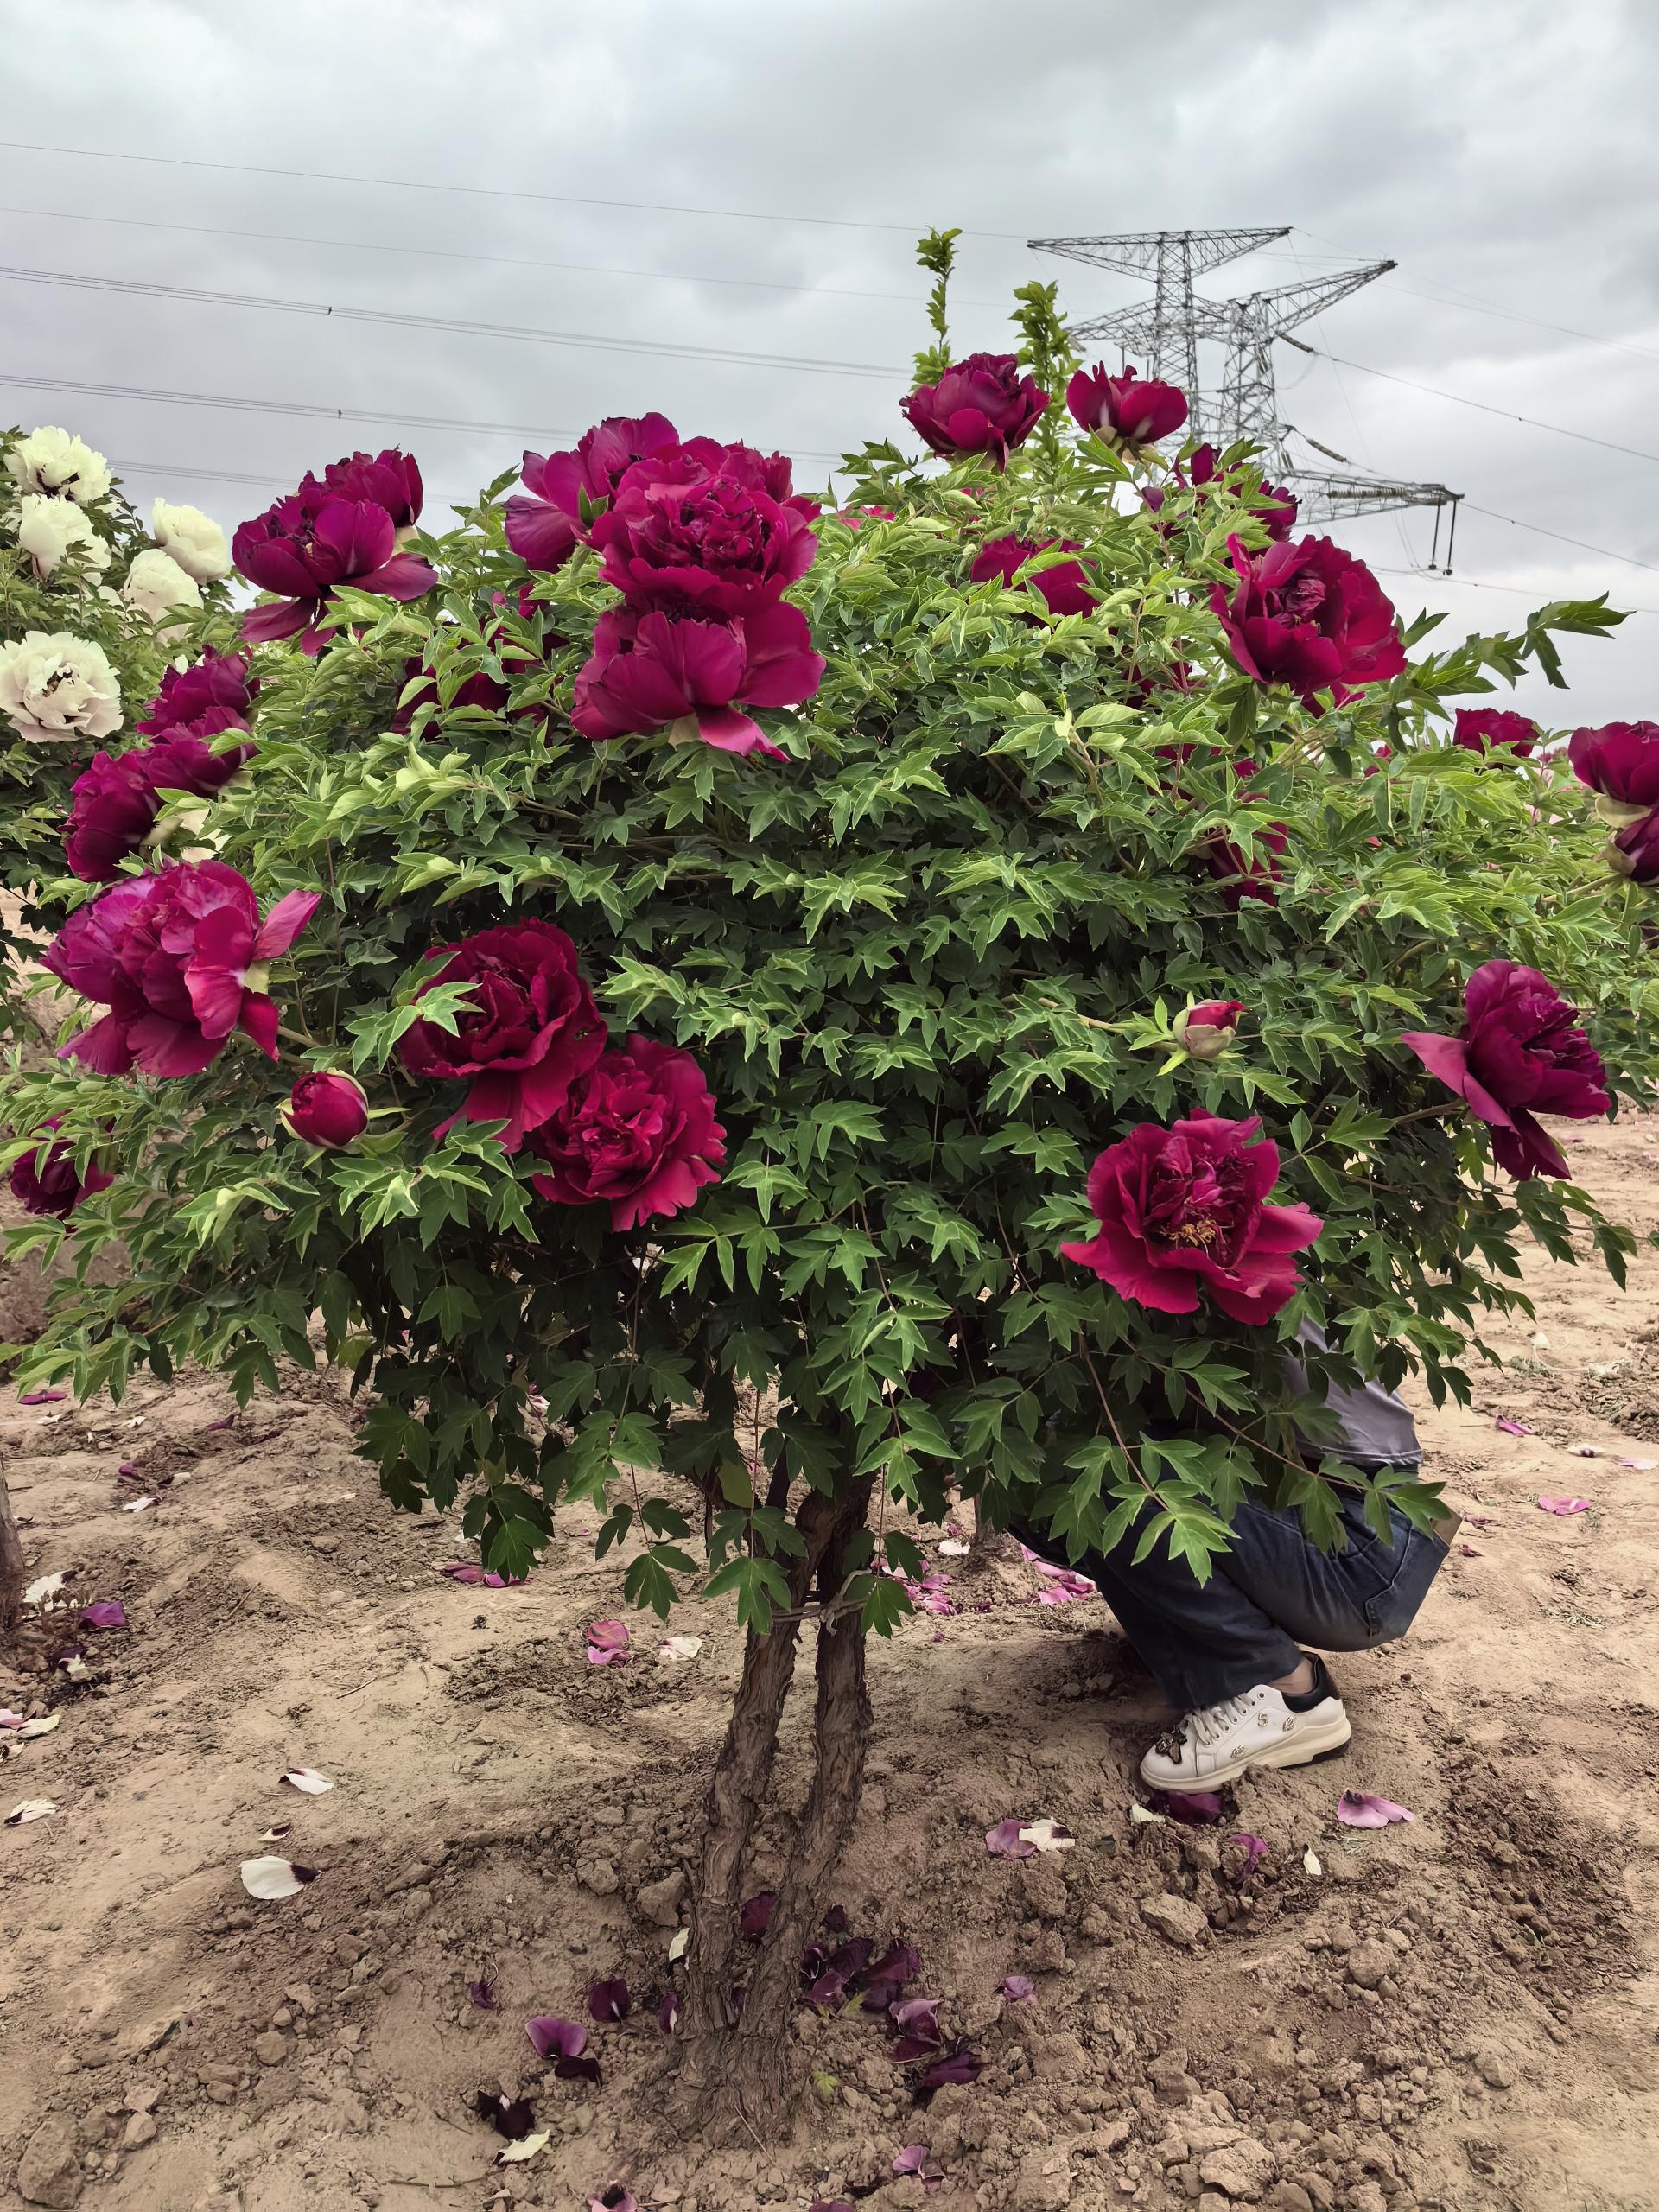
<point x="735" y="1110"/>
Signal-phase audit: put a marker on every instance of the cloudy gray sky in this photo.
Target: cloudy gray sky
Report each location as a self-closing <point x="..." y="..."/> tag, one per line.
<point x="776" y="162"/>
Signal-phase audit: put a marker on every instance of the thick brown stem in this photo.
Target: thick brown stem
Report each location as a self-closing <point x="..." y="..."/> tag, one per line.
<point x="14" y="1568"/>
<point x="742" y="1777"/>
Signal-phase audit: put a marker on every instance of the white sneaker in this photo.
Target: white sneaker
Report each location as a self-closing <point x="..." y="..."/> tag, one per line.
<point x="1219" y="1743"/>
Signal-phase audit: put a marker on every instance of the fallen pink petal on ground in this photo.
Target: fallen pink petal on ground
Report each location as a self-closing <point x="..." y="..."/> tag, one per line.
<point x="1358" y="1808"/>
<point x="1563" y="1506"/>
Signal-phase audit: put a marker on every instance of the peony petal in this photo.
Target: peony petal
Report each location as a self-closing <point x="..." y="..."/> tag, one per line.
<point x="1512" y="1427"/>
<point x="1141" y="1818"/>
<point x="1311" y="1861"/>
<point x="1006" y="1840"/>
<point x="555" y="2037"/>
<point x="1193" y="1807"/>
<point x="910" y="2160"/>
<point x="679" y="1943"/>
<point x="41" y="1397"/>
<point x="527" y="2146"/>
<point x="107" y="1613"/>
<point x="609" y="2000"/>
<point x="1016" y="1988"/>
<point x="676" y="1648"/>
<point x="481" y="1993"/>
<point x="43" y="1592"/>
<point x="307" y="1780"/>
<point x="276" y="1834"/>
<point x="1356" y="1808"/>
<point x="509" y="2116"/>
<point x="42" y="1724"/>
<point x="1253" y="1850"/>
<point x="32" y="1808"/>
<point x="756" y="1916"/>
<point x="274" y="1878"/>
<point x="1048" y="1837"/>
<point x="1563" y="1506"/>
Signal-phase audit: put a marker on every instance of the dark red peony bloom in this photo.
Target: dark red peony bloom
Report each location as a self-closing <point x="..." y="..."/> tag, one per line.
<point x="1064" y="588"/>
<point x="116" y="802"/>
<point x="1242" y="879"/>
<point x="1494" y="730"/>
<point x="710" y="528"/>
<point x="1186" y="1207"/>
<point x="1205" y="1031"/>
<point x="217" y="683"/>
<point x="1633" y="852"/>
<point x="984" y="404"/>
<point x="303" y="553"/>
<point x="390" y="480"/>
<point x="650" y="670"/>
<point x="530" y="1030"/>
<point x="1127" y="410"/>
<point x="1520" y="1054"/>
<point x="638" y="1134"/>
<point x="1309" y="615"/>
<point x="179" y="960"/>
<point x="479" y="690"/>
<point x="1273" y="506"/>
<point x="327" y="1109"/>
<point x="545" y="527"/>
<point x="1620" y="764"/>
<point x="45" y="1181"/>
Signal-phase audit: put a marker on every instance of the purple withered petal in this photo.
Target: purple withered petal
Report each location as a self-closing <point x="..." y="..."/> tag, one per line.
<point x="756" y="1916"/>
<point x="1253" y="1849"/>
<point x="960" y="2066"/>
<point x="555" y="2037"/>
<point x="910" y="2160"/>
<point x="108" y="1613"/>
<point x="887" y="1975"/>
<point x="1193" y="1807"/>
<point x="851" y="1957"/>
<point x="827" y="1990"/>
<point x="1003" y="1840"/>
<point x="835" y="1921"/>
<point x="512" y="2117"/>
<point x="481" y="1993"/>
<point x="614" y="2199"/>
<point x="578" y="2069"/>
<point x="41" y="1397"/>
<point x="610" y="2000"/>
<point x="830" y="2204"/>
<point x="1358" y="1808"/>
<point x="1016" y="1988"/>
<point x="668" y="2012"/>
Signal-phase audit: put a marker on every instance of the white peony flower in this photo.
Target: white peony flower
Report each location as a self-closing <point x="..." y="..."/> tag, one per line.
<point x="194" y="540"/>
<point x="50" y="529"/>
<point x="50" y="461"/>
<point x="56" y="688"/>
<point x="156" y="584"/>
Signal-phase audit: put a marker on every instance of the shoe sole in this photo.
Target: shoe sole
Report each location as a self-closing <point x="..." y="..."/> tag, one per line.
<point x="1306" y="1751"/>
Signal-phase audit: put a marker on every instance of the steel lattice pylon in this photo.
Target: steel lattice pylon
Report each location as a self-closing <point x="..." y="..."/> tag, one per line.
<point x="1162" y="335"/>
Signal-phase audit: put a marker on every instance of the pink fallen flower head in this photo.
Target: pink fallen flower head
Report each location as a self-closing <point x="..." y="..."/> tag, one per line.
<point x="303" y="553"/>
<point x="1307" y="615"/>
<point x="108" y="1613"/>
<point x="117" y="801"/>
<point x="1493" y="731"/>
<point x="1127" y="410"/>
<point x="1062" y="587"/>
<point x="179" y="959"/>
<point x="1520" y="1054"/>
<point x="1186" y="1209"/>
<point x="714" y="529"/>
<point x="650" y="670"/>
<point x="607" y="1644"/>
<point x="1620" y="763"/>
<point x="1358" y="1808"/>
<point x="637" y="1132"/>
<point x="1254" y="1849"/>
<point x="1192" y="1807"/>
<point x="1634" y="851"/>
<point x="45" y="1180"/>
<point x="985" y="403"/>
<point x="1205" y="1031"/>
<point x="326" y="1108"/>
<point x="610" y="2000"/>
<point x="218" y="681"/>
<point x="531" y="1027"/>
<point x="390" y="480"/>
<point x="564" y="492"/>
<point x="1563" y="1506"/>
<point x="1016" y="1988"/>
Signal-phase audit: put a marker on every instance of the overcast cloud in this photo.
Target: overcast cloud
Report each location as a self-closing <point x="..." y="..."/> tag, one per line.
<point x="1500" y="151"/>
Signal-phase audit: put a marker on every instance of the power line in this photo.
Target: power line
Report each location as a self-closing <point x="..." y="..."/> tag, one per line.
<point x="1539" y="531"/>
<point x="494" y="260"/>
<point x="494" y="191"/>
<point x="1458" y="399"/>
<point x="395" y="319"/>
<point x="1479" y="583"/>
<point x="313" y="411"/>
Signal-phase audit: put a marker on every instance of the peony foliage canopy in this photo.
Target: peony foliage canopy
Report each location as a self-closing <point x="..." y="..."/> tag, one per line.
<point x="710" y="1085"/>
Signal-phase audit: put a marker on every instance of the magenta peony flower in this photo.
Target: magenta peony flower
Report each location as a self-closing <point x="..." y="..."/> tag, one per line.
<point x="1620" y="764"/>
<point x="701" y="526"/>
<point x="544" y="529"/>
<point x="1125" y="409"/>
<point x="1205" y="1031"/>
<point x="532" y="1028"/>
<point x="1494" y="731"/>
<point x="638" y="1134"/>
<point x="1064" y="588"/>
<point x="650" y="670"/>
<point x="1633" y="852"/>
<point x="1309" y="615"/>
<point x="1242" y="879"/>
<point x="1273" y="506"/>
<point x="390" y="480"/>
<point x="1185" y="1208"/>
<point x="984" y="404"/>
<point x="301" y="553"/>
<point x="217" y="683"/>
<point x="179" y="960"/>
<point x="479" y="690"/>
<point x="326" y="1108"/>
<point x="115" y="804"/>
<point x="45" y="1181"/>
<point x="1521" y="1054"/>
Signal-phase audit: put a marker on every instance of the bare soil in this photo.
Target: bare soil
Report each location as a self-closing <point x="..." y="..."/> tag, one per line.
<point x="1461" y="2013"/>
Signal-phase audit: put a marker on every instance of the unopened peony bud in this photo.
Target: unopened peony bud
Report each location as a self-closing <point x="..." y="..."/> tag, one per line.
<point x="1635" y="851"/>
<point x="1205" y="1030"/>
<point x="329" y="1110"/>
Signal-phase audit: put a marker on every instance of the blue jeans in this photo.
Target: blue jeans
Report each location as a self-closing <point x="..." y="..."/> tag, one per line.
<point x="1266" y="1597"/>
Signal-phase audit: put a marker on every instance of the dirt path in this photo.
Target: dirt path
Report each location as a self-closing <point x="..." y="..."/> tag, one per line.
<point x="1461" y="2013"/>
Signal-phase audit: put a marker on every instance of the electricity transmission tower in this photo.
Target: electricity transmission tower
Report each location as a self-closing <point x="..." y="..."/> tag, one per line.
<point x="1162" y="335"/>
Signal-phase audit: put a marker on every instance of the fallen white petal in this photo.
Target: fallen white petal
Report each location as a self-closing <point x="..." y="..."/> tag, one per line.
<point x="32" y="1808"/>
<point x="76" y="1668"/>
<point x="273" y="1877"/>
<point x="276" y="1834"/>
<point x="1142" y="1818"/>
<point x="1048" y="1836"/>
<point x="680" y="1647"/>
<point x="951" y="1550"/>
<point x="307" y="1779"/>
<point x="678" y="1948"/>
<point x="513" y="2154"/>
<point x="47" y="1587"/>
<point x="138" y="1505"/>
<point x="42" y="1726"/>
<point x="1311" y="1861"/>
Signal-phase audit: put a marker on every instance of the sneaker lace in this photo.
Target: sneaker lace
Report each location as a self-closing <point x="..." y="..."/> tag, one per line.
<point x="1214" y="1720"/>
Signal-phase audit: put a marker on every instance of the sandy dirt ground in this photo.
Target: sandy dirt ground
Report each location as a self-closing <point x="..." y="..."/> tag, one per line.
<point x="1461" y="2013"/>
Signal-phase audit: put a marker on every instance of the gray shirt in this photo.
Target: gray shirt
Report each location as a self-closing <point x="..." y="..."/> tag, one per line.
<point x="1374" y="1426"/>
